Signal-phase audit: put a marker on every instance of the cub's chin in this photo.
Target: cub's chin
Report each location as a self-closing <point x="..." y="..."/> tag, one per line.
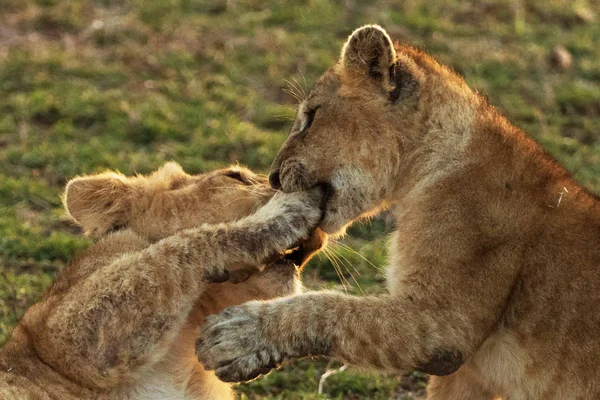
<point x="334" y="224"/>
<point x="337" y="217"/>
<point x="345" y="204"/>
<point x="297" y="256"/>
<point x="287" y="265"/>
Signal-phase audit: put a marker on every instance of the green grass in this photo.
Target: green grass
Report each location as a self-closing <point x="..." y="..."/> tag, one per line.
<point x="88" y="85"/>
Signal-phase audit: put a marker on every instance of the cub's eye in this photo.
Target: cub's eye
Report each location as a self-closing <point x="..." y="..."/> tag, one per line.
<point x="238" y="176"/>
<point x="309" y="116"/>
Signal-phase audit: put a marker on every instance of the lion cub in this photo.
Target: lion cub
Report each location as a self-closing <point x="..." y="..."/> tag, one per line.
<point x="121" y="320"/>
<point x="494" y="273"/>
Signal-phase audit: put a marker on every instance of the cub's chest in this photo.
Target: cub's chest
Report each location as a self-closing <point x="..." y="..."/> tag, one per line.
<point x="158" y="386"/>
<point x="398" y="266"/>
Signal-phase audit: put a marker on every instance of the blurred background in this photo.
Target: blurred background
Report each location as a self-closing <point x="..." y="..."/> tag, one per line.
<point x="88" y="85"/>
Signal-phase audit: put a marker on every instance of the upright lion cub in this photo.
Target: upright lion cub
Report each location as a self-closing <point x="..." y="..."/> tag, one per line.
<point x="120" y="322"/>
<point x="494" y="274"/>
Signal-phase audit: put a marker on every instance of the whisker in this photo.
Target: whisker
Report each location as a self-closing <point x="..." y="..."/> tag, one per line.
<point x="233" y="201"/>
<point x="345" y="262"/>
<point x="339" y="247"/>
<point x="303" y="78"/>
<point x="350" y="249"/>
<point x="294" y="84"/>
<point x="229" y="187"/>
<point x="245" y="190"/>
<point x="252" y="187"/>
<point x="297" y="89"/>
<point x="300" y="87"/>
<point x="293" y="94"/>
<point x="337" y="255"/>
<point x="293" y="90"/>
<point x="336" y="268"/>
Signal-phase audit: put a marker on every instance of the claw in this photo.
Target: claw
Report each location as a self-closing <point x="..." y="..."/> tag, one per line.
<point x="199" y="343"/>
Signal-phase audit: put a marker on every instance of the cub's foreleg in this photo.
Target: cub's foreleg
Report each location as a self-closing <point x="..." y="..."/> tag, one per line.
<point x="433" y="334"/>
<point x="109" y="328"/>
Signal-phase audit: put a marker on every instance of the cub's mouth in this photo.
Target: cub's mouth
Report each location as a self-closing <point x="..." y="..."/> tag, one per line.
<point x="302" y="252"/>
<point x="294" y="259"/>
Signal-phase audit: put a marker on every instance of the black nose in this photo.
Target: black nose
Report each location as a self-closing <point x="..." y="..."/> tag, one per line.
<point x="274" y="180"/>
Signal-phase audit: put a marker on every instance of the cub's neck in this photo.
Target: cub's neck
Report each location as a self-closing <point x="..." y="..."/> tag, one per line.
<point x="484" y="164"/>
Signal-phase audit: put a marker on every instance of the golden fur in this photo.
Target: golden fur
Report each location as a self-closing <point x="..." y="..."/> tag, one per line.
<point x="494" y="273"/>
<point x="120" y="322"/>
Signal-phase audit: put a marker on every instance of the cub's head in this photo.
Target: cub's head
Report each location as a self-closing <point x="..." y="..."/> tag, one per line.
<point x="169" y="200"/>
<point x="361" y="126"/>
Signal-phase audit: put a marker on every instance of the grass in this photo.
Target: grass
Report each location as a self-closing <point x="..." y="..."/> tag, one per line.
<point x="89" y="85"/>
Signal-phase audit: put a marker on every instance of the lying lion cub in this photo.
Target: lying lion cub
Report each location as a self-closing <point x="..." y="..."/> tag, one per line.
<point x="120" y="321"/>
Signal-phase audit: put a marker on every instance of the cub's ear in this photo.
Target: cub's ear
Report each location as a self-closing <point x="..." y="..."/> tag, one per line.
<point x="370" y="51"/>
<point x="170" y="171"/>
<point x="99" y="203"/>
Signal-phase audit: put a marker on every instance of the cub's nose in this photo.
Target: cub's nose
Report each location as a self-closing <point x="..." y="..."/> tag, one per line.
<point x="274" y="180"/>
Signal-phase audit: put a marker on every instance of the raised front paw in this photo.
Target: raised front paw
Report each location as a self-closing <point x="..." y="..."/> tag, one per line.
<point x="294" y="215"/>
<point x="233" y="344"/>
<point x="308" y="203"/>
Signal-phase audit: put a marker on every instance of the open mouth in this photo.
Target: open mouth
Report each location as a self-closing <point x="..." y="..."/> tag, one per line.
<point x="301" y="253"/>
<point x="295" y="257"/>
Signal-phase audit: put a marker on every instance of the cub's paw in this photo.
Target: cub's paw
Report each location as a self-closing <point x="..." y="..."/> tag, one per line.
<point x="308" y="203"/>
<point x="299" y="211"/>
<point x="233" y="344"/>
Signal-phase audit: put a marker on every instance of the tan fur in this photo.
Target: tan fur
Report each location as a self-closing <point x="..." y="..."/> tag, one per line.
<point x="121" y="320"/>
<point x="495" y="265"/>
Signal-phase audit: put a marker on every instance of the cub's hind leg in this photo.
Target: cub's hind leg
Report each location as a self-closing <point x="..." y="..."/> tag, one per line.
<point x="461" y="385"/>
